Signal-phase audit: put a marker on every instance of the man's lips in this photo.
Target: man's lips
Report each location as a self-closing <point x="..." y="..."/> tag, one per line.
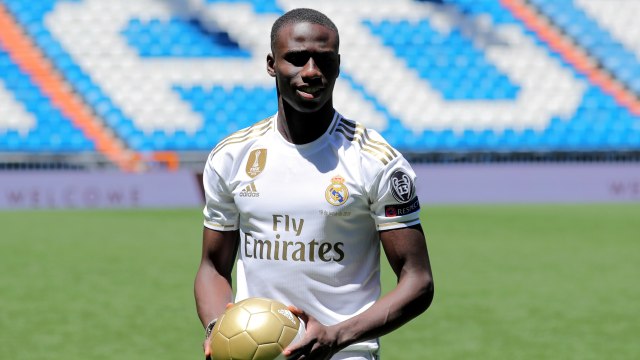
<point x="309" y="92"/>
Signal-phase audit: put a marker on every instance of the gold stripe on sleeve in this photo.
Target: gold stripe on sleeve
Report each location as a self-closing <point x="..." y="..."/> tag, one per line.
<point x="256" y="130"/>
<point x="357" y="133"/>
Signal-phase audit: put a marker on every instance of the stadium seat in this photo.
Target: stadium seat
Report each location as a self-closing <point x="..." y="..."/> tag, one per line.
<point x="449" y="63"/>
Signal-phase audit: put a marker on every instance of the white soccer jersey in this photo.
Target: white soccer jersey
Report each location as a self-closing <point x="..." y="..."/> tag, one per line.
<point x="309" y="215"/>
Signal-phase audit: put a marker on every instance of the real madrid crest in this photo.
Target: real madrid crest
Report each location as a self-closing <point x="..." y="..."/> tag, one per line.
<point x="256" y="162"/>
<point x="337" y="193"/>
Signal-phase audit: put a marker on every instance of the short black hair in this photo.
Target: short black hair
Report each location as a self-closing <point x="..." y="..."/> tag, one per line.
<point x="302" y="15"/>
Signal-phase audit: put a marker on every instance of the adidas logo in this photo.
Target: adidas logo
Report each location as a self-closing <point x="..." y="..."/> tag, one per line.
<point x="250" y="191"/>
<point x="287" y="314"/>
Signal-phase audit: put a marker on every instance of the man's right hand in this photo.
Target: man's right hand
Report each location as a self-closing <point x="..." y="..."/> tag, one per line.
<point x="207" y="342"/>
<point x="207" y="348"/>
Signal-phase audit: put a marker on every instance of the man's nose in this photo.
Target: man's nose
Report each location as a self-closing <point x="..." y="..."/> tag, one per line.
<point x="311" y="69"/>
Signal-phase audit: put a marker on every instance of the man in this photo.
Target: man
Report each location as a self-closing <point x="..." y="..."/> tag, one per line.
<point x="305" y="198"/>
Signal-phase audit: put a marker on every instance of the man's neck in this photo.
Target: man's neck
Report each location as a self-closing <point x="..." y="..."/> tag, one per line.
<point x="304" y="127"/>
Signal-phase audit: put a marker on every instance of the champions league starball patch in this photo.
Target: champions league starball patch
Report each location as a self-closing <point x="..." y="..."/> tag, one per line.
<point x="402" y="187"/>
<point x="337" y="193"/>
<point x="404" y="191"/>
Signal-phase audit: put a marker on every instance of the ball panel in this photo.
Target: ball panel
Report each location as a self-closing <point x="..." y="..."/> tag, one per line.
<point x="264" y="327"/>
<point x="287" y="336"/>
<point x="234" y="321"/>
<point x="219" y="347"/>
<point x="256" y="305"/>
<point x="285" y="315"/>
<point x="267" y="352"/>
<point x="242" y="347"/>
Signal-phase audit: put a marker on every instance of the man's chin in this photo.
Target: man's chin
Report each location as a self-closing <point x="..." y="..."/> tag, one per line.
<point x="307" y="105"/>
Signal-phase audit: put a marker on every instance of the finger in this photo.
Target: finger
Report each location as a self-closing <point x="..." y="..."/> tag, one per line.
<point x="207" y="349"/>
<point x="229" y="305"/>
<point x="297" y="348"/>
<point x="299" y="313"/>
<point x="293" y="352"/>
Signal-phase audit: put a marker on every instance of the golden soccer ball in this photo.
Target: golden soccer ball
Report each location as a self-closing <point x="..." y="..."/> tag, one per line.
<point x="254" y="329"/>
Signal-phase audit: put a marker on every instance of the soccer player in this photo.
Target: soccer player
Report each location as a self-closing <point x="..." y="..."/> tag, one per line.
<point x="304" y="198"/>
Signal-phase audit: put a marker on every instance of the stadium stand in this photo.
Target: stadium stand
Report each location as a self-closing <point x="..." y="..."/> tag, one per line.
<point x="132" y="84"/>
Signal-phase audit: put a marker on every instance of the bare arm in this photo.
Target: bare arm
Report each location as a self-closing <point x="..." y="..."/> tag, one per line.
<point x="213" y="288"/>
<point x="407" y="254"/>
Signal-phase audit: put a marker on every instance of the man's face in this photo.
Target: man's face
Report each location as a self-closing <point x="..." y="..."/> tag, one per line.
<point x="306" y="64"/>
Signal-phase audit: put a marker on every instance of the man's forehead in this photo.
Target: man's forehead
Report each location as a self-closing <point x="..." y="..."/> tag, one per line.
<point x="302" y="32"/>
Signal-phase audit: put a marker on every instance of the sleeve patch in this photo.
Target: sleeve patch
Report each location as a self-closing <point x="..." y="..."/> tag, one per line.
<point x="402" y="187"/>
<point x="402" y="209"/>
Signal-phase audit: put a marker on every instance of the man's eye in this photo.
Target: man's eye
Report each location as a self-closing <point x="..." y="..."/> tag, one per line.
<point x="324" y="59"/>
<point x="297" y="59"/>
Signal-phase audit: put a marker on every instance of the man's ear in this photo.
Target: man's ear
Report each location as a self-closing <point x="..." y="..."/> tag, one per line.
<point x="338" y="66"/>
<point x="271" y="61"/>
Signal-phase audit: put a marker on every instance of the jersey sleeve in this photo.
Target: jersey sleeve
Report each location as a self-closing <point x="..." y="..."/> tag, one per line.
<point x="220" y="211"/>
<point x="394" y="202"/>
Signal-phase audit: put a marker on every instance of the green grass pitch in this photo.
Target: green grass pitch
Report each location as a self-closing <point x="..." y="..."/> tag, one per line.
<point x="512" y="282"/>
